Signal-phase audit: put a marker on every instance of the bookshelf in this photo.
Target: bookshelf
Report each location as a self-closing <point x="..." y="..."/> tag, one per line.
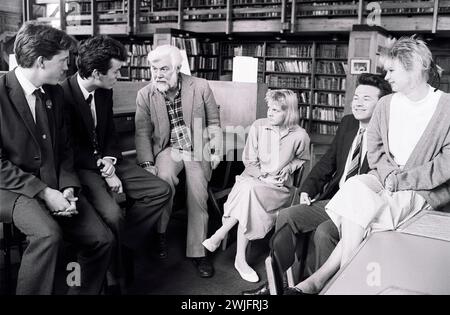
<point x="314" y="70"/>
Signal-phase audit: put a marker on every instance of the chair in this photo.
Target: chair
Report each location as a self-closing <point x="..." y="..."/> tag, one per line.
<point x="281" y="259"/>
<point x="11" y="237"/>
<point x="298" y="174"/>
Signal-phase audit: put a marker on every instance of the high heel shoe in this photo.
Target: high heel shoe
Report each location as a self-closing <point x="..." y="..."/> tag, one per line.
<point x="209" y="245"/>
<point x="250" y="277"/>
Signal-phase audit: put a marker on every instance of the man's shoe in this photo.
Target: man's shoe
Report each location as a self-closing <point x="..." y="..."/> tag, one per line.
<point x="294" y="291"/>
<point x="204" y="267"/>
<point x="262" y="290"/>
<point x="162" y="246"/>
<point x="113" y="290"/>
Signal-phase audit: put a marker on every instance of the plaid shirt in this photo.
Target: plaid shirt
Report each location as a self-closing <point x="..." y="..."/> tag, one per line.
<point x="180" y="135"/>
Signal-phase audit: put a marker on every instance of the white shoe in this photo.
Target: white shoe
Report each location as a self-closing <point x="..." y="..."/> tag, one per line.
<point x="250" y="277"/>
<point x="209" y="245"/>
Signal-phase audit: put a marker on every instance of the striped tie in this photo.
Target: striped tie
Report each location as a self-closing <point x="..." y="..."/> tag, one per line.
<point x="356" y="156"/>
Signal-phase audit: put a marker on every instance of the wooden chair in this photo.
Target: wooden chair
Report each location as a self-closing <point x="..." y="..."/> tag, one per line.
<point x="298" y="174"/>
<point x="12" y="237"/>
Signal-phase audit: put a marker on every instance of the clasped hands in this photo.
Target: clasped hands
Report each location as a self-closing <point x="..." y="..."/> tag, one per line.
<point x="60" y="203"/>
<point x="279" y="179"/>
<point x="108" y="172"/>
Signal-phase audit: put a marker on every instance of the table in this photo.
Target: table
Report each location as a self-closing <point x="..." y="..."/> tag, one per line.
<point x="392" y="259"/>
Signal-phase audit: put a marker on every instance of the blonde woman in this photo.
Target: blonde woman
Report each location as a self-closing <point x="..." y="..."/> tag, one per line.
<point x="275" y="148"/>
<point x="408" y="143"/>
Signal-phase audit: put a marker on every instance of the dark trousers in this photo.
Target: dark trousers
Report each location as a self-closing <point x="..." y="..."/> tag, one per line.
<point x="45" y="234"/>
<point x="148" y="196"/>
<point x="304" y="219"/>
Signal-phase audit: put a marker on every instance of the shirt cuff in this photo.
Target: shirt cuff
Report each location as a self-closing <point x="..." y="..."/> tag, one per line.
<point x="112" y="158"/>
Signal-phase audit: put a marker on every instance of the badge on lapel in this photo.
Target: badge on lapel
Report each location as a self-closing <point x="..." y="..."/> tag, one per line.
<point x="48" y="104"/>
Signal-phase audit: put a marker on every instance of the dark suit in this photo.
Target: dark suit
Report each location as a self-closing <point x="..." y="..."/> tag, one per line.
<point x="148" y="194"/>
<point x="21" y="160"/>
<point x="326" y="174"/>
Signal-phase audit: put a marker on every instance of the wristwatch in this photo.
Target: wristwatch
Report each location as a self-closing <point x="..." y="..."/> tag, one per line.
<point x="146" y="164"/>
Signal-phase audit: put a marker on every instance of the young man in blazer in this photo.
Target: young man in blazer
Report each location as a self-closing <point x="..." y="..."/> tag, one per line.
<point x="177" y="126"/>
<point x="346" y="157"/>
<point x="98" y="160"/>
<point x="38" y="184"/>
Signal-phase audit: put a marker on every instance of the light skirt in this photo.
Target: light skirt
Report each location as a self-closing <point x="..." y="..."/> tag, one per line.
<point x="363" y="200"/>
<point x="255" y="205"/>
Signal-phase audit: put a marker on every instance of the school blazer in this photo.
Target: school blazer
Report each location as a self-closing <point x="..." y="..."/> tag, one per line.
<point x="20" y="153"/>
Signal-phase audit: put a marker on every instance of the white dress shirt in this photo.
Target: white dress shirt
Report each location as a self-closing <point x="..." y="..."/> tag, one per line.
<point x="28" y="89"/>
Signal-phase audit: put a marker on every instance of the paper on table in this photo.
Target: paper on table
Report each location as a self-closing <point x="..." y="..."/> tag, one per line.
<point x="431" y="224"/>
<point x="399" y="291"/>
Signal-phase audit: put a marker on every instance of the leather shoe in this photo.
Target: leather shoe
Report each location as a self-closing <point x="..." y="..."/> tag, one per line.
<point x="204" y="267"/>
<point x="162" y="246"/>
<point x="294" y="291"/>
<point x="262" y="290"/>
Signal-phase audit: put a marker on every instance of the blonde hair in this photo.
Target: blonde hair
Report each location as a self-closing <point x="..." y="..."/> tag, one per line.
<point x="288" y="102"/>
<point x="413" y="52"/>
<point x="166" y="50"/>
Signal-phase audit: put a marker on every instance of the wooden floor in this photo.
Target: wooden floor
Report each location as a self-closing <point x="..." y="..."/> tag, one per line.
<point x="176" y="275"/>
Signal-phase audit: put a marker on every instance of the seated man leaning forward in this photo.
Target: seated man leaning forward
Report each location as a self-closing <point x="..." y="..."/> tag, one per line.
<point x="98" y="161"/>
<point x="276" y="147"/>
<point x="345" y="158"/>
<point x="177" y="126"/>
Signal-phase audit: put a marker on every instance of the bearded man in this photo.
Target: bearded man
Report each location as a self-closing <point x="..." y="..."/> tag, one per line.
<point x="177" y="126"/>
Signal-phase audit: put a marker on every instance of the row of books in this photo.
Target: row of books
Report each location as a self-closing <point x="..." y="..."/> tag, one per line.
<point x="241" y="2"/>
<point x="200" y="62"/>
<point x="243" y="50"/>
<point x="330" y="83"/>
<point x="139" y="49"/>
<point x="332" y="51"/>
<point x="118" y="5"/>
<point x="194" y="47"/>
<point x="329" y="99"/>
<point x="331" y="67"/>
<point x="283" y="81"/>
<point x="303" y="97"/>
<point x="328" y="114"/>
<point x="300" y="51"/>
<point x="325" y="129"/>
<point x="288" y="66"/>
<point x="204" y="17"/>
<point x="262" y="15"/>
<point x="141" y="73"/>
<point x="139" y="61"/>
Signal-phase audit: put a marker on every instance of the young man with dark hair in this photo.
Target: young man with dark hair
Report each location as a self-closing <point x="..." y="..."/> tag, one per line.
<point x="98" y="160"/>
<point x="345" y="158"/>
<point x="38" y="184"/>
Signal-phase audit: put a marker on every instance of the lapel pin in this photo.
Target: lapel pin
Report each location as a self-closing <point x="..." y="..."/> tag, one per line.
<point x="48" y="103"/>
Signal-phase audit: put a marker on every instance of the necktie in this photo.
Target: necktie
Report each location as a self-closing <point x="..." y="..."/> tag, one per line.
<point x="47" y="171"/>
<point x="95" y="145"/>
<point x="356" y="156"/>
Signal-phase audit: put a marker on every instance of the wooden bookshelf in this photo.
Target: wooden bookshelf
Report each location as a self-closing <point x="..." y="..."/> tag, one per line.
<point x="314" y="70"/>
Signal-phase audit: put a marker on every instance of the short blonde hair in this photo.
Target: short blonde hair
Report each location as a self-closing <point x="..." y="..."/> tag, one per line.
<point x="166" y="50"/>
<point x="288" y="101"/>
<point x="413" y="52"/>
